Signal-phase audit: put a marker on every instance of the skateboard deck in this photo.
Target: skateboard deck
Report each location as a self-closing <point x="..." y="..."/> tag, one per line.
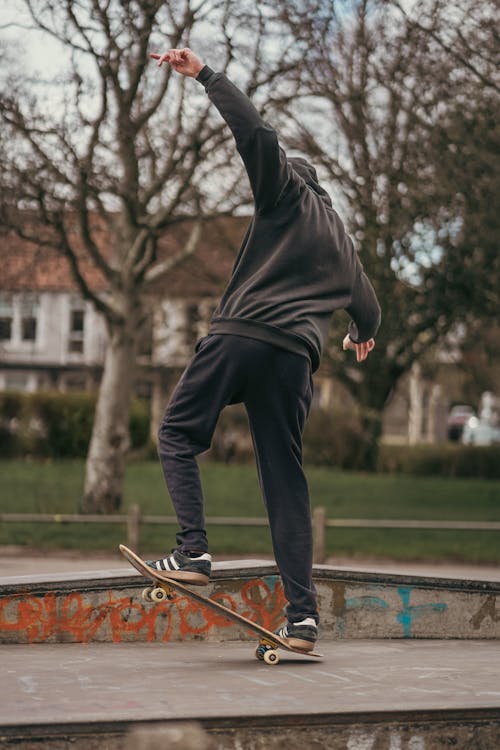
<point x="269" y="642"/>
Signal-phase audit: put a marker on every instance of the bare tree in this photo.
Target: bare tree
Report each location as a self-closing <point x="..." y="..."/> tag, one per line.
<point x="465" y="30"/>
<point x="382" y="113"/>
<point x="122" y="154"/>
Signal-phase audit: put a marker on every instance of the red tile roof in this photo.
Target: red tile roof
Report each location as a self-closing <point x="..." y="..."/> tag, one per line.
<point x="30" y="266"/>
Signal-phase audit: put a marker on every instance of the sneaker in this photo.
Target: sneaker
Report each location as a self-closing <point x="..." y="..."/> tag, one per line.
<point x="302" y="635"/>
<point x="183" y="568"/>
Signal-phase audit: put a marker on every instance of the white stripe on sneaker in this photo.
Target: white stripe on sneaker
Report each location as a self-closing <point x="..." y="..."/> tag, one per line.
<point x="167" y="563"/>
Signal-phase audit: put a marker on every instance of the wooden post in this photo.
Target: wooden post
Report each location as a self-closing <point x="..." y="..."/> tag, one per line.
<point x="133" y="527"/>
<point x="319" y="535"/>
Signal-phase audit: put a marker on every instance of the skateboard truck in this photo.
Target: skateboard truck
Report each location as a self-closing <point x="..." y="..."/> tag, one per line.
<point x="267" y="651"/>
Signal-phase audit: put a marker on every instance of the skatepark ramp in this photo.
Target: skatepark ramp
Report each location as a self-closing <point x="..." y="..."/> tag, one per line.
<point x="410" y="663"/>
<point x="107" y="606"/>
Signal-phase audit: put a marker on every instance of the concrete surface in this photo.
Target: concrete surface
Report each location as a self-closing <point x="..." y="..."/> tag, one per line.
<point x="363" y="695"/>
<point x="103" y="682"/>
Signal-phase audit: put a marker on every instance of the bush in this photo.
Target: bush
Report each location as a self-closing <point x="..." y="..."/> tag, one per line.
<point x="331" y="439"/>
<point x="461" y="461"/>
<point x="139" y="423"/>
<point x="9" y="442"/>
<point x="335" y="439"/>
<point x="62" y="423"/>
<point x="11" y="405"/>
<point x="11" y="414"/>
<point x="57" y="425"/>
<point x="232" y="442"/>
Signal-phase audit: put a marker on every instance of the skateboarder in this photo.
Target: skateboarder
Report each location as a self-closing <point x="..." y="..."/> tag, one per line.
<point x="295" y="267"/>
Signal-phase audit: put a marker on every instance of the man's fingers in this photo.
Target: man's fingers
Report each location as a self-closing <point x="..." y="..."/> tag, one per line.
<point x="171" y="56"/>
<point x="161" y="58"/>
<point x="362" y="350"/>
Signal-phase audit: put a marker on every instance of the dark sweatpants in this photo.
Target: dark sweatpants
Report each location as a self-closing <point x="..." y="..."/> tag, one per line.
<point x="275" y="386"/>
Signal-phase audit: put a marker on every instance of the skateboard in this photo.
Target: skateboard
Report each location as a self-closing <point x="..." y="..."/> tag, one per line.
<point x="165" y="588"/>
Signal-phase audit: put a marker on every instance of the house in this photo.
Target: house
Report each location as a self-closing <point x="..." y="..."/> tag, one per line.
<point x="52" y="338"/>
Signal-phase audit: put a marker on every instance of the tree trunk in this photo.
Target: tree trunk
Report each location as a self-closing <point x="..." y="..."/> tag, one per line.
<point x="415" y="416"/>
<point x="371" y="426"/>
<point x="105" y="467"/>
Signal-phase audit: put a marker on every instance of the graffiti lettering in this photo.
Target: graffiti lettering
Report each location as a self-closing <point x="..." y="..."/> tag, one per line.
<point x="83" y="617"/>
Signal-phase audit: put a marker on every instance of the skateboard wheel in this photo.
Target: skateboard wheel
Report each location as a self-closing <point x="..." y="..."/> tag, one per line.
<point x="271" y="657"/>
<point x="158" y="594"/>
<point x="146" y="594"/>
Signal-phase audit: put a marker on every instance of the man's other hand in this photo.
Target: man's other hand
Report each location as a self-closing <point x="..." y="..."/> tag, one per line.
<point x="362" y="350"/>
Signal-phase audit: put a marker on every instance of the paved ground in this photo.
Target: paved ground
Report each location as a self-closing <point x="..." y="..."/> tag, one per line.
<point x="71" y="682"/>
<point x="14" y="561"/>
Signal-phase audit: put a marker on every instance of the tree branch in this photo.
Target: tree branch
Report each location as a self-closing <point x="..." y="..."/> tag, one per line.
<point x="161" y="269"/>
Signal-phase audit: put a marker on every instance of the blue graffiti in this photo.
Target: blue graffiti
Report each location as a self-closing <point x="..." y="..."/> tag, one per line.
<point x="370" y="602"/>
<point x="409" y="613"/>
<point x="271" y="582"/>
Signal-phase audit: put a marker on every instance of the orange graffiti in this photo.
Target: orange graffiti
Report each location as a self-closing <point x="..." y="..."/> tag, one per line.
<point x="84" y="617"/>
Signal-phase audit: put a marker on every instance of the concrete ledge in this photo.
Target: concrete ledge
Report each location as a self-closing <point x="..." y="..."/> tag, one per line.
<point x="123" y="576"/>
<point x="233" y="569"/>
<point x="106" y="606"/>
<point x="405" y="730"/>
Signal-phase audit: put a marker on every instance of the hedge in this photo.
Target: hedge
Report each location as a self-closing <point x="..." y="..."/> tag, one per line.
<point x="331" y="439"/>
<point x="335" y="439"/>
<point x="339" y="440"/>
<point x="444" y="459"/>
<point x="57" y="425"/>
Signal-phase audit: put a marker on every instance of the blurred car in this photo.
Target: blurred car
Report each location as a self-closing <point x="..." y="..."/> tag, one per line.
<point x="458" y="417"/>
<point x="476" y="432"/>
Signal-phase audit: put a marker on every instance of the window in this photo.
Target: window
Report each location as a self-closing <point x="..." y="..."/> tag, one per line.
<point x="28" y="311"/>
<point x="5" y="328"/>
<point x="6" y="317"/>
<point x="15" y="381"/>
<point x="77" y="321"/>
<point x="28" y="328"/>
<point x="76" y="330"/>
<point x="75" y="382"/>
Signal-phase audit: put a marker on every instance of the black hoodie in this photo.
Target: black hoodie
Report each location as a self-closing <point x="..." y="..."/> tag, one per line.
<point x="296" y="264"/>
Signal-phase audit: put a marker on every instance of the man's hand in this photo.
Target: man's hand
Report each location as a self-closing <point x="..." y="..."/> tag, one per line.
<point x="182" y="60"/>
<point x="362" y="350"/>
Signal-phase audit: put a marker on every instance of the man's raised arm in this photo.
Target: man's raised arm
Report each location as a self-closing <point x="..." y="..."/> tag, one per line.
<point x="256" y="141"/>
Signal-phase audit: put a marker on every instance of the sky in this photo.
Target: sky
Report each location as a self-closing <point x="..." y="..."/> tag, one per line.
<point x="38" y="51"/>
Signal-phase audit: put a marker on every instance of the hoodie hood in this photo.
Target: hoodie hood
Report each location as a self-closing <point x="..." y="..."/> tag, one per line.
<point x="307" y="172"/>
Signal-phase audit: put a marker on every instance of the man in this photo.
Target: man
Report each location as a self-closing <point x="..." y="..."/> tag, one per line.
<point x="296" y="265"/>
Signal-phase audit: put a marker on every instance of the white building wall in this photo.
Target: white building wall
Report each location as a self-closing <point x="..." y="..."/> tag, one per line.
<point x="177" y="324"/>
<point x="170" y="326"/>
<point x="51" y="346"/>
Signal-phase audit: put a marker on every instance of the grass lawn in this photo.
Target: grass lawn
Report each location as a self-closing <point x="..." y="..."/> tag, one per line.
<point x="233" y="490"/>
